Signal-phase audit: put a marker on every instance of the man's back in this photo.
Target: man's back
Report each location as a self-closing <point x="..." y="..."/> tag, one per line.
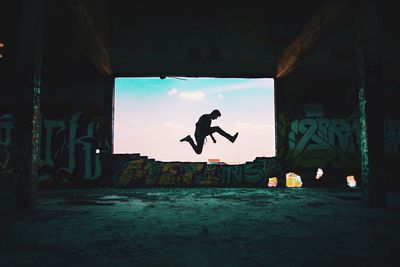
<point x="204" y="122"/>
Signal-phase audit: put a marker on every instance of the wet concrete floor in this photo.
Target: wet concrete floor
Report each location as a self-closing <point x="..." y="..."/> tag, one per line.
<point x="201" y="227"/>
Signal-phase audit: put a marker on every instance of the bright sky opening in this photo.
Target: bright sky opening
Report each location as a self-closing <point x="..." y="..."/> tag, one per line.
<point x="153" y="114"/>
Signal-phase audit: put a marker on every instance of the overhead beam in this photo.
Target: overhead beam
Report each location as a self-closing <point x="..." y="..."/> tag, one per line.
<point x="312" y="34"/>
<point x="81" y="27"/>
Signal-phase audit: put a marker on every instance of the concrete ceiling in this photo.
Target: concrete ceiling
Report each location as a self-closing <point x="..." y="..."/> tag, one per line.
<point x="236" y="40"/>
<point x="202" y="39"/>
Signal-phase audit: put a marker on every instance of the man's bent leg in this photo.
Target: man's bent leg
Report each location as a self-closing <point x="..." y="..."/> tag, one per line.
<point x="186" y="138"/>
<point x="200" y="143"/>
<point x="217" y="129"/>
<point x="197" y="148"/>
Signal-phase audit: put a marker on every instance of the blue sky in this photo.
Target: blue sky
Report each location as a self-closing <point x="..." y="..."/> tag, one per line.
<point x="153" y="114"/>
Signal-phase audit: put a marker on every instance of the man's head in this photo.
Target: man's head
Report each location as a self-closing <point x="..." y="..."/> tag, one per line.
<point x="215" y="114"/>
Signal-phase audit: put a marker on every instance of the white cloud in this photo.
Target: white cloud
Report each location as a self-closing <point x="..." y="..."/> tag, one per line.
<point x="263" y="84"/>
<point x="194" y="96"/>
<point x="251" y="84"/>
<point x="173" y="91"/>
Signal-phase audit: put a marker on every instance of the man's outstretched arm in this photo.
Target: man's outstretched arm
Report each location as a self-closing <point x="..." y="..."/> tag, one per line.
<point x="212" y="137"/>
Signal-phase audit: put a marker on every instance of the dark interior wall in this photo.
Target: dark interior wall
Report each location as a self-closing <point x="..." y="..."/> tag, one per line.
<point x="100" y="10"/>
<point x="318" y="122"/>
<point x="6" y="132"/>
<point x="76" y="121"/>
<point x="390" y="104"/>
<point x="9" y="29"/>
<point x="390" y="42"/>
<point x="318" y="127"/>
<point x="318" y="110"/>
<point x="76" y="117"/>
<point x="8" y="62"/>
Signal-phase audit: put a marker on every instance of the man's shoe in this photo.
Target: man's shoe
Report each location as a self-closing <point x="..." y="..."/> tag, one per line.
<point x="234" y="137"/>
<point x="187" y="138"/>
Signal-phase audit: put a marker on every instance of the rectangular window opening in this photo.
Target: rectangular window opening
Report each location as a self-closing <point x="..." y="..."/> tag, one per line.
<point x="152" y="115"/>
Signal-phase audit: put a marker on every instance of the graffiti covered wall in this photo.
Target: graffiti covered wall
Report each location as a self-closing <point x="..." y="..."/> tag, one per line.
<point x="316" y="141"/>
<point x="74" y="120"/>
<point x="133" y="170"/>
<point x="331" y="143"/>
<point x="72" y="151"/>
<point x="323" y="142"/>
<point x="318" y="126"/>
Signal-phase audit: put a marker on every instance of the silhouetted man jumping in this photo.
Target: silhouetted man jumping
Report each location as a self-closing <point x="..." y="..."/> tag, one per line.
<point x="203" y="129"/>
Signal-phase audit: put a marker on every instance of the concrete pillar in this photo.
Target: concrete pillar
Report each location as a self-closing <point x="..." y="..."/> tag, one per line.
<point x="370" y="101"/>
<point x="27" y="109"/>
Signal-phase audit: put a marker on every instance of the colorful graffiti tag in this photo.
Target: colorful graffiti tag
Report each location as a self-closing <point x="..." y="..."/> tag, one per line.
<point x="137" y="171"/>
<point x="67" y="149"/>
<point x="323" y="142"/>
<point x="68" y="153"/>
<point x="316" y="141"/>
